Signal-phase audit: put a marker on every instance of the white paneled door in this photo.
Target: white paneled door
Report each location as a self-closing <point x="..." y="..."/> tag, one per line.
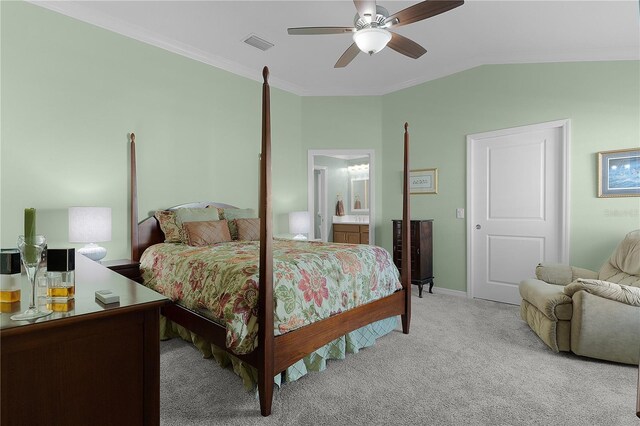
<point x="517" y="196"/>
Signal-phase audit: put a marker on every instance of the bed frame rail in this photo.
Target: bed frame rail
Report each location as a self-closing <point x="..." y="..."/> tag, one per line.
<point x="295" y="345"/>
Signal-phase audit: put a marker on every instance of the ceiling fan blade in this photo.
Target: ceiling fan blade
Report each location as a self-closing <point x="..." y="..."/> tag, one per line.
<point x="347" y="56"/>
<point x="366" y="9"/>
<point x="407" y="47"/>
<point x="319" y="30"/>
<point x="421" y="11"/>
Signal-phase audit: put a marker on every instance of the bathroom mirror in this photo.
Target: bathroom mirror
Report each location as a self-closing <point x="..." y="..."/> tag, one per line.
<point x="359" y="196"/>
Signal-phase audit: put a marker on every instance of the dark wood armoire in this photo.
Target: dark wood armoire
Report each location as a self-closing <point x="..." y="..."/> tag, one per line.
<point x="421" y="251"/>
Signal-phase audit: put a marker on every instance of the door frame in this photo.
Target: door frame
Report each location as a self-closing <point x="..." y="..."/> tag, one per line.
<point x="565" y="187"/>
<point x="323" y="196"/>
<point x="372" y="188"/>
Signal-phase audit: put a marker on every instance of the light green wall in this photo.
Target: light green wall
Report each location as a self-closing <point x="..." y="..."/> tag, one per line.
<point x="70" y="94"/>
<point x="600" y="98"/>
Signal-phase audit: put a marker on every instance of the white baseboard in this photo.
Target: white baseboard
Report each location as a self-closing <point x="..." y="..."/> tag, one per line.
<point x="448" y="292"/>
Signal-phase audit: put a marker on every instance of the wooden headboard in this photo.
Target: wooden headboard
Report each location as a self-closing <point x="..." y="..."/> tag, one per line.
<point x="148" y="232"/>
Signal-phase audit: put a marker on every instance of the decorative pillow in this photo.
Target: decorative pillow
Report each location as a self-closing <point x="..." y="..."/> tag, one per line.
<point x="248" y="229"/>
<point x="231" y="214"/>
<point x="169" y="226"/>
<point x="195" y="214"/>
<point x="200" y="214"/>
<point x="205" y="233"/>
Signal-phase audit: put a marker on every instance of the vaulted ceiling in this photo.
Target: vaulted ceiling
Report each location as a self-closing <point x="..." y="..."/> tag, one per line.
<point x="476" y="33"/>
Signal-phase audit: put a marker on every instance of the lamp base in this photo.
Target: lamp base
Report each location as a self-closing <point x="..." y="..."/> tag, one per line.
<point x="300" y="237"/>
<point x="93" y="252"/>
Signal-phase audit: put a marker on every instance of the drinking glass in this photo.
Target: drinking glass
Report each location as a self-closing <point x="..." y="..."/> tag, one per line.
<point x="31" y="254"/>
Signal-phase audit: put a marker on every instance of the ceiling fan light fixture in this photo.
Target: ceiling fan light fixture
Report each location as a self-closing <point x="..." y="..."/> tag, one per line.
<point x="371" y="40"/>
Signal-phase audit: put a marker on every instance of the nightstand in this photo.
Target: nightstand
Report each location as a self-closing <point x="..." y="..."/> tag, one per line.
<point x="125" y="267"/>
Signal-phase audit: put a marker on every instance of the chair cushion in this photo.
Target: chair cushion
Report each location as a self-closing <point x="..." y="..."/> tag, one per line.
<point x="604" y="329"/>
<point x="614" y="275"/>
<point x="548" y="298"/>
<point x="624" y="264"/>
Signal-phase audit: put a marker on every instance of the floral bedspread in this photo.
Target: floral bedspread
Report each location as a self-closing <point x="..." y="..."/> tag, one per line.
<point x="312" y="281"/>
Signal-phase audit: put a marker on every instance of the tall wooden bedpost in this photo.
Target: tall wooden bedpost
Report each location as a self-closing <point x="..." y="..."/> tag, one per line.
<point x="134" y="201"/>
<point x="265" y="297"/>
<point x="405" y="273"/>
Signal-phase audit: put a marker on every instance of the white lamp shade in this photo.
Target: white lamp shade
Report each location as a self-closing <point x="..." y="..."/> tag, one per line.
<point x="89" y="224"/>
<point x="299" y="222"/>
<point x="371" y="40"/>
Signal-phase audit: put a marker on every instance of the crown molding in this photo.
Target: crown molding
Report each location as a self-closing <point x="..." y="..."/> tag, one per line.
<point x="75" y="10"/>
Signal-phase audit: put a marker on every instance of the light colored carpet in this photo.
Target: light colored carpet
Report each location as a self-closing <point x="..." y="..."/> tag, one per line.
<point x="465" y="362"/>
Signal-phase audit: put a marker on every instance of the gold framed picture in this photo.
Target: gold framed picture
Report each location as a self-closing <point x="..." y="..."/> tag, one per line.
<point x="423" y="181"/>
<point x="619" y="173"/>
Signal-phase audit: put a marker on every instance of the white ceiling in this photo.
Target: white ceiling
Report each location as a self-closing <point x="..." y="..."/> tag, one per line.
<point x="476" y="33"/>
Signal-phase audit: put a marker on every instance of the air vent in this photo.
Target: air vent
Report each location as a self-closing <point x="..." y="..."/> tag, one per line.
<point x="255" y="41"/>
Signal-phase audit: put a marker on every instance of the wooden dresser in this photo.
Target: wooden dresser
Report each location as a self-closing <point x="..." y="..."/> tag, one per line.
<point x="350" y="233"/>
<point x="86" y="363"/>
<point x="421" y="251"/>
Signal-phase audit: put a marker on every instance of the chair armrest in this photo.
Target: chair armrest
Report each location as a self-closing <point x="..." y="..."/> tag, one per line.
<point x="612" y="291"/>
<point x="548" y="299"/>
<point x="555" y="273"/>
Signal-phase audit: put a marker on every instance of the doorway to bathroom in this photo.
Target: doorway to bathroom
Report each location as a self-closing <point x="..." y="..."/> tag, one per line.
<point x="340" y="190"/>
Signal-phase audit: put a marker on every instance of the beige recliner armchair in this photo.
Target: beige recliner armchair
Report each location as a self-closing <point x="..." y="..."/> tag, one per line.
<point x="594" y="314"/>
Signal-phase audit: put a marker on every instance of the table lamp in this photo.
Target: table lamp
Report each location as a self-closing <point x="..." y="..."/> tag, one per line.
<point x="299" y="224"/>
<point x="90" y="225"/>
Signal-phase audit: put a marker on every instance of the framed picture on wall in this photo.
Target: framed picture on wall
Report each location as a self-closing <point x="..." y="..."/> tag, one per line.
<point x="619" y="173"/>
<point x="423" y="181"/>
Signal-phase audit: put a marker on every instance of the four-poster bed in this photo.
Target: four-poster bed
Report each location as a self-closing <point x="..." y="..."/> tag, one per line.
<point x="274" y="353"/>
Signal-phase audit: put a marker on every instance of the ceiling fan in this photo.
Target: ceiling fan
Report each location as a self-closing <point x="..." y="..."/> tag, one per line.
<point x="371" y="23"/>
